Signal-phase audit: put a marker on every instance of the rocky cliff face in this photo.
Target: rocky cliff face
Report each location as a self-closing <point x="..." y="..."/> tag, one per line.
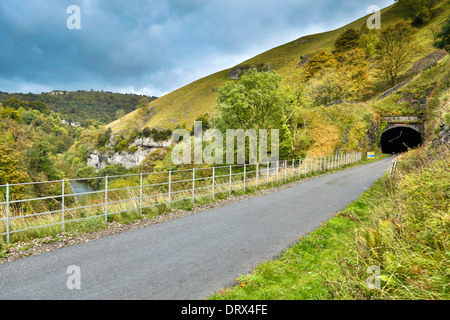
<point x="100" y="159"/>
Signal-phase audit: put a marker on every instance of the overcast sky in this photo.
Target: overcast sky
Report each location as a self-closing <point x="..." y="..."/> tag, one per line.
<point x="150" y="47"/>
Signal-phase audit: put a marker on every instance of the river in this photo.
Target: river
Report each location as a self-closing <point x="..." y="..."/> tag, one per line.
<point x="81" y="186"/>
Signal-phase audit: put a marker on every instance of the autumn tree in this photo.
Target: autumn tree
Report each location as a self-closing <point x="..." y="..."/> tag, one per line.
<point x="39" y="105"/>
<point x="418" y="10"/>
<point x="395" y="50"/>
<point x="368" y="39"/>
<point x="320" y="61"/>
<point x="346" y="41"/>
<point x="10" y="171"/>
<point x="348" y="80"/>
<point x="355" y="66"/>
<point x="11" y="113"/>
<point x="15" y="103"/>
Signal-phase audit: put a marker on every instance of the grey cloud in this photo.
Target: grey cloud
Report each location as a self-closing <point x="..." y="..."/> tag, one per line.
<point x="157" y="44"/>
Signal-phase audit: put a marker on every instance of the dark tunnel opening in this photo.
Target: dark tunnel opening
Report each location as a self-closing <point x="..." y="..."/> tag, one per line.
<point x="399" y="139"/>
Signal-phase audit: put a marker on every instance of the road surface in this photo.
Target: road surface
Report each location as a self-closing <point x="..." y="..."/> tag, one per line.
<point x="190" y="257"/>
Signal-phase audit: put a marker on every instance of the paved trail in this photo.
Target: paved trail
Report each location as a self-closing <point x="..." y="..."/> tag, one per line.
<point x="190" y="257"/>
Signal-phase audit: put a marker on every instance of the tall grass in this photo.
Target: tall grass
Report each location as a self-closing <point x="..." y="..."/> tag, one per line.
<point x="401" y="226"/>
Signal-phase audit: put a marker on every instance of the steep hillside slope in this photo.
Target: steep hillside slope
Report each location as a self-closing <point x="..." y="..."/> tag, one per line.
<point x="200" y="96"/>
<point x="321" y="130"/>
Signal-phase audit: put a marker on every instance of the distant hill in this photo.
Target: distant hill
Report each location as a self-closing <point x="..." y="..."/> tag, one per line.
<point x="79" y="106"/>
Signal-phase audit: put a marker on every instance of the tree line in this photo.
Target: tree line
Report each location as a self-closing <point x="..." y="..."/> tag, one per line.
<point x="83" y="107"/>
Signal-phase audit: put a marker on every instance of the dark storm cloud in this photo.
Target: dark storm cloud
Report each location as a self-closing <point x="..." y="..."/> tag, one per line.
<point x="150" y="46"/>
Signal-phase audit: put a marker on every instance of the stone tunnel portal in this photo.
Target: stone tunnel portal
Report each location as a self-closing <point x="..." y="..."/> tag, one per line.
<point x="398" y="138"/>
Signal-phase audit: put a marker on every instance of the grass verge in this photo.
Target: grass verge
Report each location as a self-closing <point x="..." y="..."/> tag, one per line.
<point x="391" y="243"/>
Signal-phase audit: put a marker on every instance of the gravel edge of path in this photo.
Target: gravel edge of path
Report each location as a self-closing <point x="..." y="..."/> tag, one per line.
<point x="36" y="246"/>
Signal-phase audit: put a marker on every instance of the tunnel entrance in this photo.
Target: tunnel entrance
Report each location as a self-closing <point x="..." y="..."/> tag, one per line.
<point x="398" y="139"/>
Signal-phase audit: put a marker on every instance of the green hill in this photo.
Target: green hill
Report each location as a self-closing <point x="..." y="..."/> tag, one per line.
<point x="81" y="106"/>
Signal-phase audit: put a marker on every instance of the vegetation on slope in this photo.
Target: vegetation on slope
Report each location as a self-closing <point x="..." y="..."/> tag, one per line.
<point x="400" y="227"/>
<point x="184" y="104"/>
<point x="317" y="70"/>
<point x="82" y="107"/>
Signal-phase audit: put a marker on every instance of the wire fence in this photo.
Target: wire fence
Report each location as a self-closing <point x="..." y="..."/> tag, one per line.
<point x="56" y="205"/>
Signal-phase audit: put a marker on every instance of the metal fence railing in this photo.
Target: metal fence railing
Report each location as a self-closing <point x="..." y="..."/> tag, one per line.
<point x="58" y="204"/>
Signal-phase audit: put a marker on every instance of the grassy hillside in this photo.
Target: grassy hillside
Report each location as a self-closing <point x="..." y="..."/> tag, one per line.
<point x="356" y="126"/>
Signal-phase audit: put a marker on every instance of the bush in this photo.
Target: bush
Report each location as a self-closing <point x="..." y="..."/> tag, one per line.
<point x="121" y="145"/>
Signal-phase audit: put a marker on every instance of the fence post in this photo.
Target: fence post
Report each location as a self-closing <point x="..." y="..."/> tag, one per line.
<point x="7" y="213"/>
<point x="140" y="195"/>
<point x="245" y="172"/>
<point x="229" y="189"/>
<point x="267" y="176"/>
<point x="62" y="204"/>
<point x="278" y="165"/>
<point x="257" y="174"/>
<point x="106" y="199"/>
<point x="213" y="182"/>
<point x="170" y="186"/>
<point x="316" y="164"/>
<point x="299" y="168"/>
<point x="285" y="170"/>
<point x="312" y="165"/>
<point x="193" y="185"/>
<point x="306" y="165"/>
<point x="293" y="167"/>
